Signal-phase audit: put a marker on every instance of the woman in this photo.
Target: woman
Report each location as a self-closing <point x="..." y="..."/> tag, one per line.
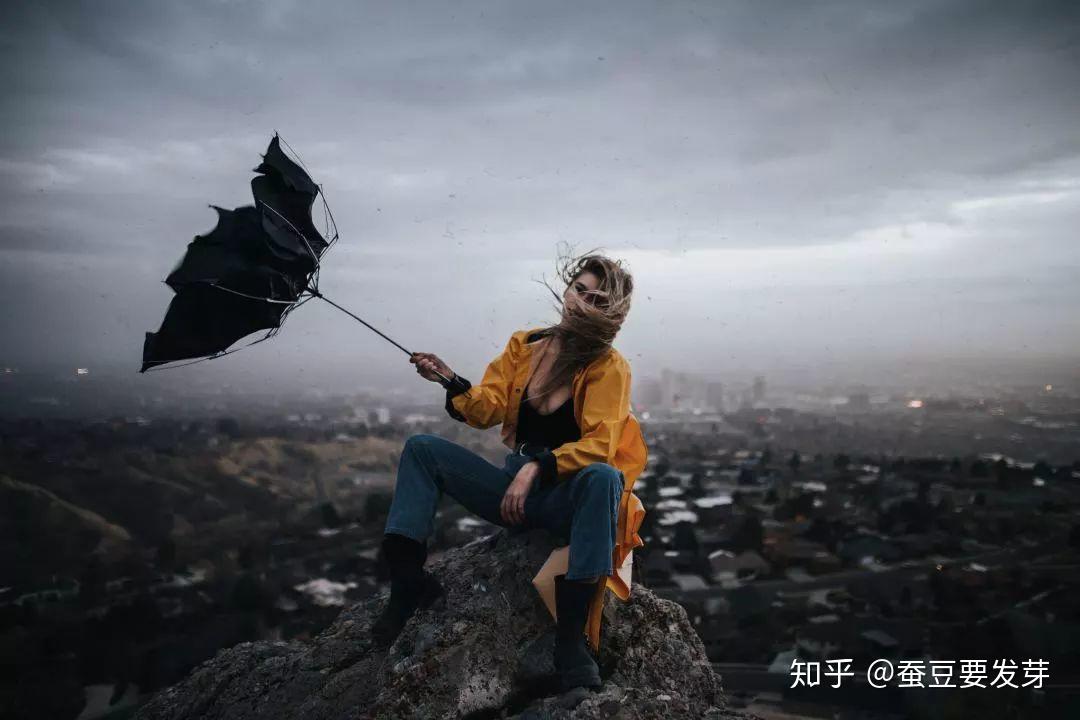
<point x="562" y="394"/>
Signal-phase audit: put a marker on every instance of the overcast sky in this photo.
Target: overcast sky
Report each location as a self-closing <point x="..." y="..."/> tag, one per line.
<point x="790" y="185"/>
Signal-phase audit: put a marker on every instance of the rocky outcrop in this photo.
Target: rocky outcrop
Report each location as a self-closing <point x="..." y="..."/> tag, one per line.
<point x="482" y="651"/>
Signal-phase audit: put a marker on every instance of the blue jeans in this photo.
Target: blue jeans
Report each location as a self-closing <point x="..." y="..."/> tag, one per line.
<point x="583" y="508"/>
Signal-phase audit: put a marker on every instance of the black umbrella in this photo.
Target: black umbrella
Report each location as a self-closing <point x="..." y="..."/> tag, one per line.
<point x="246" y="275"/>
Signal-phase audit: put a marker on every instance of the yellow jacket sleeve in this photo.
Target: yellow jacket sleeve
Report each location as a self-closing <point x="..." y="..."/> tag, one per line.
<point x="605" y="411"/>
<point x="484" y="405"/>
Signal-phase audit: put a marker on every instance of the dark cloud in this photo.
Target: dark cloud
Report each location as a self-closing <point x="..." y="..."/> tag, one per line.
<point x="870" y="142"/>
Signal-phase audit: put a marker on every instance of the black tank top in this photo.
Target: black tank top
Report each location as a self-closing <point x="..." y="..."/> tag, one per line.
<point x="550" y="430"/>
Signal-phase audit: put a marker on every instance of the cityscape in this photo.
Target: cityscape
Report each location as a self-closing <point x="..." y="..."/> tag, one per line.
<point x="790" y="523"/>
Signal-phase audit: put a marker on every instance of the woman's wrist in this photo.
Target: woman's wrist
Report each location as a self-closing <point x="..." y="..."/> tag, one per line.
<point x="531" y="474"/>
<point x="456" y="387"/>
<point x="547" y="466"/>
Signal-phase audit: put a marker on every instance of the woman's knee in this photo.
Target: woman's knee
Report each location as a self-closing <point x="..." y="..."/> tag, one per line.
<point x="602" y="476"/>
<point x="420" y="439"/>
<point x="417" y="449"/>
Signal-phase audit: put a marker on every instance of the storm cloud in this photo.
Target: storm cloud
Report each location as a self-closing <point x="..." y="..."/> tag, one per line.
<point x="789" y="183"/>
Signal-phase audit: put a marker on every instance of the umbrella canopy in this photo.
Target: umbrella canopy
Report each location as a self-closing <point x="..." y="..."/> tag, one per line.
<point x="258" y="263"/>
<point x="246" y="275"/>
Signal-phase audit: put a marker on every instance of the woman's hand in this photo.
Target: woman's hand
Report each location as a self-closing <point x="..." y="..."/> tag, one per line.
<point x="512" y="508"/>
<point x="428" y="363"/>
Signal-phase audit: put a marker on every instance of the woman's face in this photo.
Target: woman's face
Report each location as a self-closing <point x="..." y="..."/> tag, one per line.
<point x="581" y="289"/>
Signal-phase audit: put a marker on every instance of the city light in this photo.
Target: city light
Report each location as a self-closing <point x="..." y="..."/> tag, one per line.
<point x="915" y="404"/>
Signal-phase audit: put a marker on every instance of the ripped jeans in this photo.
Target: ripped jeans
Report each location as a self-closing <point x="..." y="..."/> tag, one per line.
<point x="583" y="508"/>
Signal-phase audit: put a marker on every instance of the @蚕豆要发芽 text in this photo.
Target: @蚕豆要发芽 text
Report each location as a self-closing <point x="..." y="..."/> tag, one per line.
<point x="881" y="673"/>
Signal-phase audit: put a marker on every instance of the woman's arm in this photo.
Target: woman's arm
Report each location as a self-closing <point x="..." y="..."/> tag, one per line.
<point x="603" y="417"/>
<point x="484" y="405"/>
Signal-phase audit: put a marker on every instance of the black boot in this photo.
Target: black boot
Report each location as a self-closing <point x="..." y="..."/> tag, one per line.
<point x="573" y="660"/>
<point x="411" y="587"/>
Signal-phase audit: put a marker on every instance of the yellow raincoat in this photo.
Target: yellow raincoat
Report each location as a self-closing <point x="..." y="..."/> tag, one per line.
<point x="609" y="433"/>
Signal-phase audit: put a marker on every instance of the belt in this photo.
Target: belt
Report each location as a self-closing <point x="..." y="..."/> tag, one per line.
<point x="529" y="448"/>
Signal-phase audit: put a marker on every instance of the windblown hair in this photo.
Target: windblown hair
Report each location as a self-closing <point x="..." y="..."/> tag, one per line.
<point x="586" y="330"/>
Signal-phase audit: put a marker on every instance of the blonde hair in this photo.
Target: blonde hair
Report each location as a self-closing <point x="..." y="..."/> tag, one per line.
<point x="587" y="330"/>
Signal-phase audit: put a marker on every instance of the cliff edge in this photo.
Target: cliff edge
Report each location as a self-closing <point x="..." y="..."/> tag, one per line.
<point x="483" y="651"/>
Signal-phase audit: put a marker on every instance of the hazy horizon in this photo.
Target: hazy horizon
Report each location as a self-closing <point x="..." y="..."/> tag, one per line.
<point x="795" y="190"/>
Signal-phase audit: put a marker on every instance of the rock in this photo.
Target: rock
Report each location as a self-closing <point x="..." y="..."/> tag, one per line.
<point x="482" y="651"/>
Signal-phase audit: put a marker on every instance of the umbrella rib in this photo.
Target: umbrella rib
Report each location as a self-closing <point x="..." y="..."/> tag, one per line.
<point x="322" y="193"/>
<point x="306" y="243"/>
<point x="223" y="353"/>
<point x="270" y="333"/>
<point x="253" y="297"/>
<point x="326" y="207"/>
<point x="322" y="190"/>
<point x="299" y="159"/>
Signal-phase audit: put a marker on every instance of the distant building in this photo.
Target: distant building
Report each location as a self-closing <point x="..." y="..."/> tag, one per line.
<point x="420" y="419"/>
<point x="859" y="401"/>
<point x="648" y="394"/>
<point x="682" y="391"/>
<point x="714" y="396"/>
<point x="757" y="393"/>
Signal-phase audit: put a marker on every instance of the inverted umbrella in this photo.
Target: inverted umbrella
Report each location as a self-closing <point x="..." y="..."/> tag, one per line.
<point x="246" y="275"/>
